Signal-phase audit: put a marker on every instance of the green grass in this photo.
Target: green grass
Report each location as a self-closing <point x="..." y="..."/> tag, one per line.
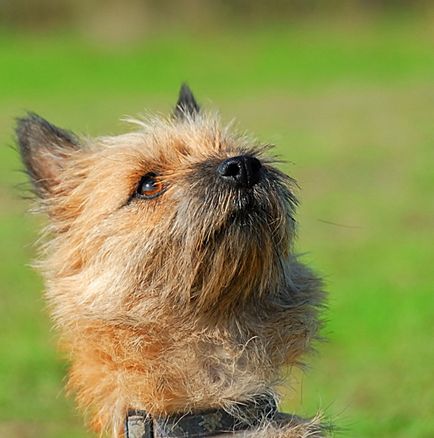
<point x="351" y="111"/>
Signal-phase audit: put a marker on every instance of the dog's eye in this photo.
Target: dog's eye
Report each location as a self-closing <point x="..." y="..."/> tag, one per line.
<point x="149" y="187"/>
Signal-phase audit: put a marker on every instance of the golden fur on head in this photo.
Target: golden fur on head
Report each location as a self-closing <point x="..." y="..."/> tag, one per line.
<point x="188" y="300"/>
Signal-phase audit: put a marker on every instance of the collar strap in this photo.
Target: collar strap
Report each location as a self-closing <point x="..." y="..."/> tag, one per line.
<point x="211" y="422"/>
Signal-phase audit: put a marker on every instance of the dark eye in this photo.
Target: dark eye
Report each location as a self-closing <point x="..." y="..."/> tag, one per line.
<point x="149" y="187"/>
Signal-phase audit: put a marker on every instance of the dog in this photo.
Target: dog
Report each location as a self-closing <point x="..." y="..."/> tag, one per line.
<point x="170" y="275"/>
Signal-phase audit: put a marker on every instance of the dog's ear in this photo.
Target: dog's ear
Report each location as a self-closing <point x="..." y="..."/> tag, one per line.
<point x="186" y="105"/>
<point x="44" y="151"/>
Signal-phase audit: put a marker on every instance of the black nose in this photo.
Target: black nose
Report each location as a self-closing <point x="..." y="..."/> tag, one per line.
<point x="242" y="171"/>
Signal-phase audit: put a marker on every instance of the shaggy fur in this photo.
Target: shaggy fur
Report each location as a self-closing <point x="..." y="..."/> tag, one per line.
<point x="187" y="301"/>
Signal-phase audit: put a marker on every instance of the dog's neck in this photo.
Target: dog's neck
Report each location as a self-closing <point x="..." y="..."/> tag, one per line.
<point x="177" y="365"/>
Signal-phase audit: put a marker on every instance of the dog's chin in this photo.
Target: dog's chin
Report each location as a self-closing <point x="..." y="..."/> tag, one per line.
<point x="246" y="213"/>
<point x="244" y="202"/>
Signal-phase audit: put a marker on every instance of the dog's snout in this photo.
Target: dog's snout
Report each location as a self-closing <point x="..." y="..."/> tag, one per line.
<point x="242" y="171"/>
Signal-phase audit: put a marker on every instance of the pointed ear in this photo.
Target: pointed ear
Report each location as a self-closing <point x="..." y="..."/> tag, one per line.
<point x="186" y="105"/>
<point x="44" y="151"/>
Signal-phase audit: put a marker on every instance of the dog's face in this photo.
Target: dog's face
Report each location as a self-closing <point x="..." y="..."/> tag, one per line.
<point x="182" y="212"/>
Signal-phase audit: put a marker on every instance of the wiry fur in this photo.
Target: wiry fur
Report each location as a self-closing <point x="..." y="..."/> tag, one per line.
<point x="177" y="303"/>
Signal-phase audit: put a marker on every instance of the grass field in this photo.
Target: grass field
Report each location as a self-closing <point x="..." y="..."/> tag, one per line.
<point x="351" y="110"/>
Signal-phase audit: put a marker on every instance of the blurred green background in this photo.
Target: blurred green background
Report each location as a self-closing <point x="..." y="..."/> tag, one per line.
<point x="345" y="89"/>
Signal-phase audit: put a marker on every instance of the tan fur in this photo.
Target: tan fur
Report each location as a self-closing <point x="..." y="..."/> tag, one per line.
<point x="166" y="305"/>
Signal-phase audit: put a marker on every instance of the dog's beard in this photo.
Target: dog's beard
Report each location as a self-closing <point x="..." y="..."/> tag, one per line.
<point x="234" y="243"/>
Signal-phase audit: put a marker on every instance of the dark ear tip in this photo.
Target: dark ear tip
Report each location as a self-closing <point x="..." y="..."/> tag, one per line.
<point x="43" y="147"/>
<point x="23" y="129"/>
<point x="28" y="123"/>
<point x="186" y="104"/>
<point x="29" y="119"/>
<point x="185" y="90"/>
<point x="34" y="126"/>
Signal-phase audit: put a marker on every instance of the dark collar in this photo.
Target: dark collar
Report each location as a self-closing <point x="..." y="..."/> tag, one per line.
<point x="243" y="416"/>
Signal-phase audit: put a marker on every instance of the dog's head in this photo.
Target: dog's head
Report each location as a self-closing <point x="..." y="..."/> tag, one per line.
<point x="183" y="211"/>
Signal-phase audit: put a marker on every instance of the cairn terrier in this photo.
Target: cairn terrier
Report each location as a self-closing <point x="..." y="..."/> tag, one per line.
<point x="170" y="275"/>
